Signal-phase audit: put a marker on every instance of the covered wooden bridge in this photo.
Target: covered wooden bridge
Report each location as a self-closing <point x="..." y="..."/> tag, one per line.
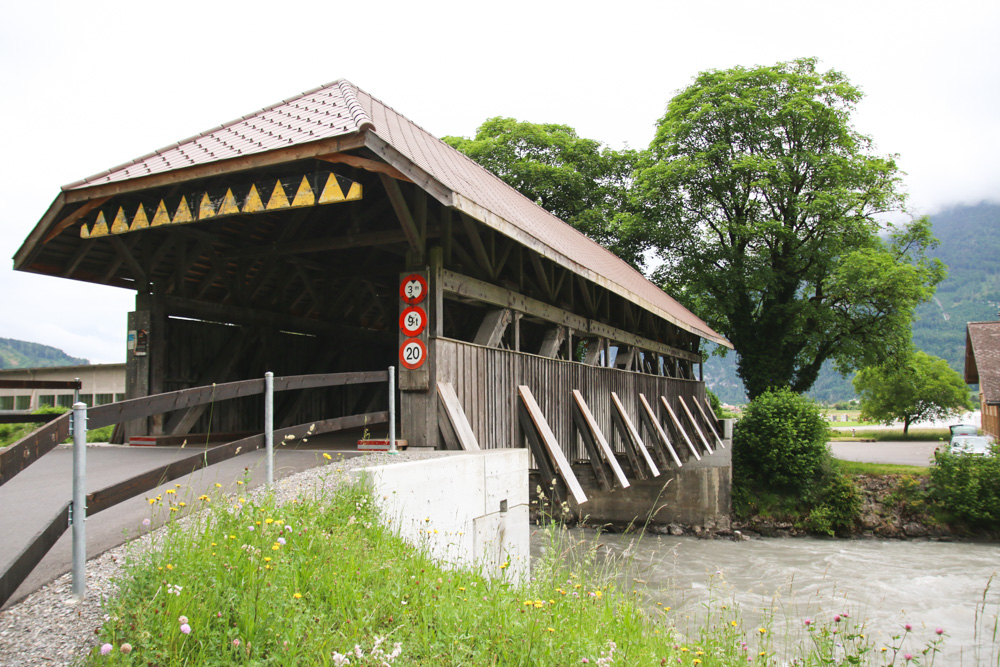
<point x="329" y="233"/>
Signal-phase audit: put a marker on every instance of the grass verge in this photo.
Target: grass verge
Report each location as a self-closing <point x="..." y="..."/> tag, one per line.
<point x="892" y="435"/>
<point x="325" y="581"/>
<point x="860" y="468"/>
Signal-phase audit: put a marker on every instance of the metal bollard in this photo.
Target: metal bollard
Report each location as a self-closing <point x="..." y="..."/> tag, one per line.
<point x="79" y="509"/>
<point x="392" y="410"/>
<point x="269" y="427"/>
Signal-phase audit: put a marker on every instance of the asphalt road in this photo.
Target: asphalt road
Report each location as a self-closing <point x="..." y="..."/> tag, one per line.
<point x="32" y="498"/>
<point x="919" y="453"/>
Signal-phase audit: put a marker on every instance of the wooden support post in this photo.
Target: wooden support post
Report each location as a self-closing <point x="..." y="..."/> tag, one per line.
<point x="137" y="364"/>
<point x="593" y="355"/>
<point x="517" y="332"/>
<point x="709" y="422"/>
<point x="625" y="356"/>
<point x="553" y="340"/>
<point x="492" y="328"/>
<point x="544" y="445"/>
<point x="628" y="434"/>
<point x="680" y="429"/>
<point x="406" y="221"/>
<point x="597" y="445"/>
<point x="452" y="413"/>
<point x="656" y="432"/>
<point x="701" y="436"/>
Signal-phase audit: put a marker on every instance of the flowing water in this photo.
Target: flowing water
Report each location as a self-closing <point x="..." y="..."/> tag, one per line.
<point x="782" y="582"/>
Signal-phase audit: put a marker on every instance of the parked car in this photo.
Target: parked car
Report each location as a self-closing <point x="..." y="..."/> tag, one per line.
<point x="963" y="429"/>
<point x="976" y="445"/>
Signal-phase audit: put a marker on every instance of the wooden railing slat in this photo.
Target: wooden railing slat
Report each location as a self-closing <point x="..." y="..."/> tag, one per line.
<point x="33" y="553"/>
<point x="18" y="456"/>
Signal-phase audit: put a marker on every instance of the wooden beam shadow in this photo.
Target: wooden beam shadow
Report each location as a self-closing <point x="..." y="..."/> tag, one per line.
<point x="697" y="429"/>
<point x="454" y="425"/>
<point x="633" y="443"/>
<point x="680" y="429"/>
<point x="548" y="455"/>
<point x="658" y="435"/>
<point x="598" y="449"/>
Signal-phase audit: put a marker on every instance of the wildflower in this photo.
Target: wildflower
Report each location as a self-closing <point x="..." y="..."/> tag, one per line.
<point x="939" y="631"/>
<point x="836" y="619"/>
<point x="252" y="529"/>
<point x="106" y="648"/>
<point x="762" y="631"/>
<point x="151" y="500"/>
<point x="236" y="643"/>
<point x="807" y="622"/>
<point x="126" y="648"/>
<point x="170" y="492"/>
<point x="182" y="620"/>
<point x="327" y="456"/>
<point x="550" y="629"/>
<point x="907" y="657"/>
<point x="145" y="523"/>
<point x="169" y="566"/>
<point x="696" y="661"/>
<point x="281" y="541"/>
<point x="186" y="629"/>
<point x="177" y="485"/>
<point x="908" y="627"/>
<point x="732" y="623"/>
<point x="297" y="596"/>
<point x="239" y="482"/>
<point x="219" y="486"/>
<point x="288" y="529"/>
<point x="275" y="547"/>
<point x="173" y="509"/>
<point x="585" y="661"/>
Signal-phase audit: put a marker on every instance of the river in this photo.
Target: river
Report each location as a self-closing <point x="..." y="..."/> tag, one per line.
<point x="885" y="584"/>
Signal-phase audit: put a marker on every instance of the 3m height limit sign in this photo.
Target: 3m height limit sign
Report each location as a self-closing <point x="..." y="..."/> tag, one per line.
<point x="413" y="320"/>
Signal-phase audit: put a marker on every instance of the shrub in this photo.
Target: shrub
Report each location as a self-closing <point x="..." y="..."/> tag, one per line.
<point x="780" y="443"/>
<point x="968" y="487"/>
<point x="839" y="508"/>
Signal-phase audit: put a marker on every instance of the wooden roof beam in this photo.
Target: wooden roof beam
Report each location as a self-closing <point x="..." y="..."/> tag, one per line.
<point x="406" y="221"/>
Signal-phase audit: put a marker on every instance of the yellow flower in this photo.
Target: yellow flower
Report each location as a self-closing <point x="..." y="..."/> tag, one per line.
<point x="732" y="623"/>
<point x="275" y="547"/>
<point x="169" y="566"/>
<point x="327" y="456"/>
<point x="269" y="521"/>
<point x="267" y="559"/>
<point x="151" y="500"/>
<point x="461" y="588"/>
<point x="696" y="661"/>
<point x="240" y="482"/>
<point x="171" y="491"/>
<point x="528" y="603"/>
<point x="762" y="631"/>
<point x="218" y="486"/>
<point x="182" y="504"/>
<point x="297" y="596"/>
<point x="683" y="650"/>
<point x="550" y="629"/>
<point x="214" y="544"/>
<point x="173" y="509"/>
<point x="177" y="485"/>
<point x="762" y="653"/>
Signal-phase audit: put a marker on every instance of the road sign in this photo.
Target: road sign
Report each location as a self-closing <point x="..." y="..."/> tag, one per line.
<point x="413" y="353"/>
<point x="412" y="321"/>
<point x="413" y="288"/>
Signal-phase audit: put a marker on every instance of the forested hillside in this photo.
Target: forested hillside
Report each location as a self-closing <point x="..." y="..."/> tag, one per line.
<point x="22" y="354"/>
<point x="970" y="246"/>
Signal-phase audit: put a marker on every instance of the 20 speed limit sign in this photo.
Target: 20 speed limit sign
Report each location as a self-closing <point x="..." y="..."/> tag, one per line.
<point x="413" y="353"/>
<point x="412" y="321"/>
<point x="413" y="288"/>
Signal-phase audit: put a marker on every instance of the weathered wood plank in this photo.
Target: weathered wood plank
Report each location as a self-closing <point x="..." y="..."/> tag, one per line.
<point x="33" y="553"/>
<point x="708" y="421"/>
<point x="697" y="429"/>
<point x="591" y="427"/>
<point x="632" y="436"/>
<point x="652" y="425"/>
<point x="28" y="418"/>
<point x="18" y="456"/>
<point x="562" y="466"/>
<point x="456" y="416"/>
<point x="680" y="428"/>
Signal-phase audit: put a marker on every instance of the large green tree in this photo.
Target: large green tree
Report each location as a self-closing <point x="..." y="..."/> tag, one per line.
<point x="767" y="204"/>
<point x="580" y="180"/>
<point x="918" y="388"/>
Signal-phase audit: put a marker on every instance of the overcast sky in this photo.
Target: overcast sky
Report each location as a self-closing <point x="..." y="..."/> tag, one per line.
<point x="89" y="85"/>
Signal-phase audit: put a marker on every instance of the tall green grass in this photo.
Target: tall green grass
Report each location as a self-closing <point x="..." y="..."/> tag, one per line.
<point x="325" y="581"/>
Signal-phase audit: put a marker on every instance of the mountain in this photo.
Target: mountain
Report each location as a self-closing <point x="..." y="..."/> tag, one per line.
<point x="970" y="245"/>
<point x="22" y="354"/>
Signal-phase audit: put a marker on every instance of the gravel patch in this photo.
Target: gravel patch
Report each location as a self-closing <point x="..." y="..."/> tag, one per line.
<point x="48" y="628"/>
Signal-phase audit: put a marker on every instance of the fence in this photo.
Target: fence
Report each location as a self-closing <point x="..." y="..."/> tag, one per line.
<point x="18" y="456"/>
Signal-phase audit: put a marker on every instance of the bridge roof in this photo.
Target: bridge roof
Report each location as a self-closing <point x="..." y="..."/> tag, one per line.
<point x="305" y="126"/>
<point x="982" y="358"/>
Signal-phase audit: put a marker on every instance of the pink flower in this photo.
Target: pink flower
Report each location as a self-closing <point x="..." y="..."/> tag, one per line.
<point x="236" y="643"/>
<point x="185" y="628"/>
<point x="585" y="661"/>
<point x="808" y="621"/>
<point x="908" y="656"/>
<point x="836" y="619"/>
<point x="106" y="648"/>
<point x="908" y="627"/>
<point x="126" y="648"/>
<point x="182" y="620"/>
<point x="939" y="631"/>
<point x="145" y="523"/>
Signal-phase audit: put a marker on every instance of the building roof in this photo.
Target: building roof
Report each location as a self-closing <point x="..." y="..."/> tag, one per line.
<point x="340" y="109"/>
<point x="982" y="358"/>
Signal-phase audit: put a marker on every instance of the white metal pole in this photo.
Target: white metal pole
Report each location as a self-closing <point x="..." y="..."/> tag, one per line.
<point x="269" y="427"/>
<point x="79" y="500"/>
<point x="392" y="410"/>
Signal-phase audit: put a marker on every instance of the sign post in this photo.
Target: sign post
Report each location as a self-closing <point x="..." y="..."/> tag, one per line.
<point x="413" y="337"/>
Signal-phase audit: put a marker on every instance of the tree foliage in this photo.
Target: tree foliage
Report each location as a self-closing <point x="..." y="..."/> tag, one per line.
<point x="766" y="201"/>
<point x="576" y="179"/>
<point x="917" y="388"/>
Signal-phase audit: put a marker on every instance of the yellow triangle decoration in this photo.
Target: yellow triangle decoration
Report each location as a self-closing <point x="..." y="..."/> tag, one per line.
<point x="84" y="231"/>
<point x="253" y="203"/>
<point x="100" y="227"/>
<point x="354" y="194"/>
<point x="331" y="191"/>
<point x="278" y="198"/>
<point x="304" y="196"/>
<point x="161" y="217"/>
<point x="229" y="206"/>
<point x="139" y="221"/>
<point x="120" y="224"/>
<point x="183" y="213"/>
<point x="206" y="209"/>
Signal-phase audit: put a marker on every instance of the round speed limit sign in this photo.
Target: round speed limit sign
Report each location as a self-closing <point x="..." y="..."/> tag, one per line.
<point x="412" y="321"/>
<point x="413" y="353"/>
<point x="413" y="288"/>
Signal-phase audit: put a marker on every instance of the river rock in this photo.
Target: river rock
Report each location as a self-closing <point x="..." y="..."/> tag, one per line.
<point x="675" y="529"/>
<point x="913" y="529"/>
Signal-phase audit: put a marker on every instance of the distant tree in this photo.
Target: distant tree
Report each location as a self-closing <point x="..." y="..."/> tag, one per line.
<point x="766" y="202"/>
<point x="918" y="388"/>
<point x="578" y="180"/>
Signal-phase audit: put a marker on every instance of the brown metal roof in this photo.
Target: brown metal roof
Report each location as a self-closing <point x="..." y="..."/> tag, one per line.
<point x="982" y="358"/>
<point x="339" y="109"/>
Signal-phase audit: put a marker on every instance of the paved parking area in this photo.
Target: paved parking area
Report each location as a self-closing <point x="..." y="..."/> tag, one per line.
<point x="899" y="453"/>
